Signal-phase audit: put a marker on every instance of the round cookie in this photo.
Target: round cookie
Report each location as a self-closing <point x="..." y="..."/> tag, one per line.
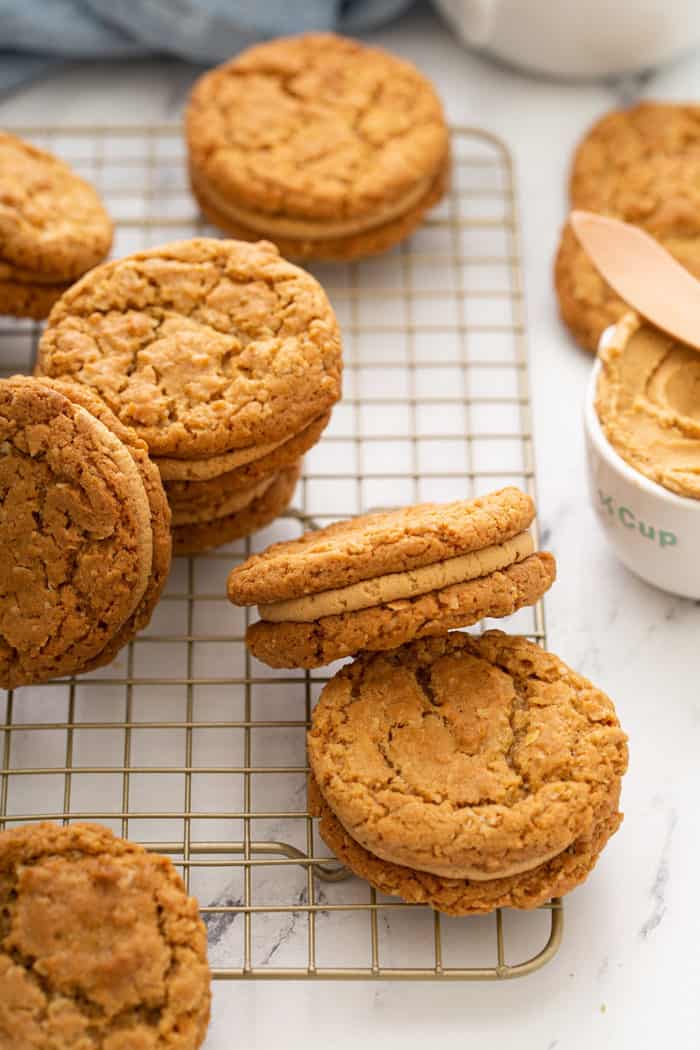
<point x="75" y="534"/>
<point x="394" y="623"/>
<point x="641" y="164"/>
<point x="380" y="580"/>
<point x="470" y="758"/>
<point x="196" y="509"/>
<point x="374" y="241"/>
<point x="22" y="299"/>
<point x="100" y="946"/>
<point x="531" y="889"/>
<point x="202" y="346"/>
<point x="52" y="222"/>
<point x="328" y="147"/>
<point x="194" y="539"/>
<point x="587" y="303"/>
<point x="371" y="545"/>
<point x="159" y="509"/>
<point x="218" y="473"/>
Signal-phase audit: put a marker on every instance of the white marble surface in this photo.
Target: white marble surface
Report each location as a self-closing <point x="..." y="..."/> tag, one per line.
<point x="629" y="969"/>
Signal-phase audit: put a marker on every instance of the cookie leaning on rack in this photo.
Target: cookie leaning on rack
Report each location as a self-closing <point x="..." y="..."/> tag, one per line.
<point x="222" y="356"/>
<point x="380" y="580"/>
<point x="53" y="227"/>
<point x="84" y="532"/>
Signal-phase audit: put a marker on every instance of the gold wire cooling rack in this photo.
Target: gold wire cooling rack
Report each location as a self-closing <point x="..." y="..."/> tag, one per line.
<point x="185" y="742"/>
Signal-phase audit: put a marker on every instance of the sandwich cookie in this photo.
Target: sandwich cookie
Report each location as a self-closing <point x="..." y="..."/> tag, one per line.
<point x="84" y="532"/>
<point x="329" y="148"/>
<point x="53" y="228"/>
<point x="466" y="772"/>
<point x="222" y="356"/>
<point x="380" y="580"/>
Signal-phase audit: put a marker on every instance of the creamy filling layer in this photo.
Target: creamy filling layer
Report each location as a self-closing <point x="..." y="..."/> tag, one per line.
<point x="309" y="229"/>
<point x="397" y="585"/>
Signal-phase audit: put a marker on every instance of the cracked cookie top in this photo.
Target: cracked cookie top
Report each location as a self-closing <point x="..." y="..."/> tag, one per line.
<point x="100" y="946"/>
<point x="641" y="164"/>
<point x="52" y="222"/>
<point x="201" y="346"/>
<point x="371" y="545"/>
<point x="76" y="539"/>
<point x="315" y="126"/>
<point x="468" y="757"/>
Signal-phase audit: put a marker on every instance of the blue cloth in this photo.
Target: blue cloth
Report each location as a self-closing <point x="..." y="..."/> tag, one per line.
<point x="38" y="35"/>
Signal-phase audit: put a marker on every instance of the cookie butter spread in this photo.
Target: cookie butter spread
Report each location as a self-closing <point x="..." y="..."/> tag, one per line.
<point x="648" y="403"/>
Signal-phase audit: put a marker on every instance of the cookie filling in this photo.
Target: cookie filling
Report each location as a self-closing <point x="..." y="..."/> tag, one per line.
<point x="205" y="468"/>
<point x="397" y="585"/>
<point x="184" y="515"/>
<point x="308" y="229"/>
<point x="648" y="403"/>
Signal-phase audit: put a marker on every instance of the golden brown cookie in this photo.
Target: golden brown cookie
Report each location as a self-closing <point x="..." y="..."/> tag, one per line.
<point x="466" y="757"/>
<point x="193" y="539"/>
<point x="587" y="303"/>
<point x="396" y="622"/>
<point x="160" y="515"/>
<point x="318" y="142"/>
<point x="100" y="946"/>
<point x="53" y="227"/>
<point x="201" y="346"/>
<point x="641" y="165"/>
<point x="198" y="509"/>
<point x="76" y="539"/>
<point x="530" y="889"/>
<point x="374" y="241"/>
<point x="23" y="299"/>
<point x="380" y="580"/>
<point x="218" y="473"/>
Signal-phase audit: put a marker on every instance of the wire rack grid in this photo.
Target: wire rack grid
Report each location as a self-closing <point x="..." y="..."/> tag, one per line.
<point x="188" y="744"/>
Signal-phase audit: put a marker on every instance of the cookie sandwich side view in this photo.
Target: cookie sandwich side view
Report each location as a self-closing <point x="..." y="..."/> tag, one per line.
<point x="379" y="580"/>
<point x="329" y="148"/>
<point x="84" y="532"/>
<point x="100" y="945"/>
<point x="468" y="773"/>
<point x="223" y="357"/>
<point x="53" y="228"/>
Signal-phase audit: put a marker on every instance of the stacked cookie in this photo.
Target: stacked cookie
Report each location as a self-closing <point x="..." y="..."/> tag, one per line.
<point x="84" y="532"/>
<point x="466" y="773"/>
<point x="223" y="357"/>
<point x="329" y="148"/>
<point x="380" y="580"/>
<point x="100" y="945"/>
<point x="640" y="165"/>
<point x="53" y="227"/>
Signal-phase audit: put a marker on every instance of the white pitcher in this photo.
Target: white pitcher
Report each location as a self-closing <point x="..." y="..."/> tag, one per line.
<point x="578" y="38"/>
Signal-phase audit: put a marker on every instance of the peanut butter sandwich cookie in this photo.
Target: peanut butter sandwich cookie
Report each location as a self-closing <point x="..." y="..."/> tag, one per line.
<point x="83" y="532"/>
<point x="53" y="227"/>
<point x="222" y="356"/>
<point x="641" y="165"/>
<point x="100" y="946"/>
<point x="380" y="580"/>
<point x="329" y="148"/>
<point x="469" y="773"/>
